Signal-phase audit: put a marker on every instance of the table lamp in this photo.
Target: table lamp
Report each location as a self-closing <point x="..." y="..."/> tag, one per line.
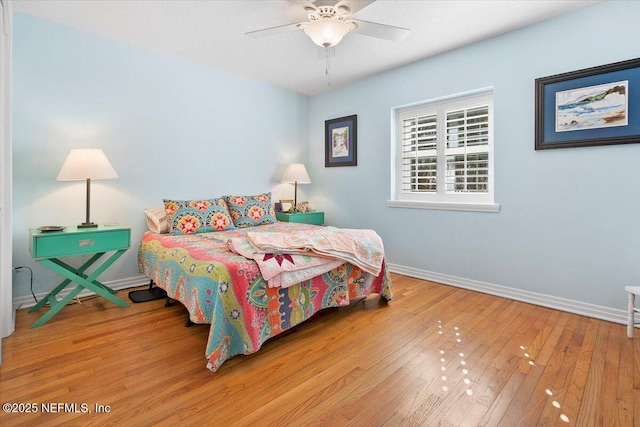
<point x="86" y="164"/>
<point x="296" y="173"/>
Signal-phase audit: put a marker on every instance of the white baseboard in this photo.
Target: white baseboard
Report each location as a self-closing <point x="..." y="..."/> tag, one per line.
<point x="131" y="282"/>
<point x="550" y="301"/>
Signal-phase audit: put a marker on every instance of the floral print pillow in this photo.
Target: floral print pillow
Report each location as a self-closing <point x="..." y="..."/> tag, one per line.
<point x="197" y="216"/>
<point x="248" y="211"/>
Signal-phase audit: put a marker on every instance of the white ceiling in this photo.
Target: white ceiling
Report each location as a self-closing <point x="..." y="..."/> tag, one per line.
<point x="211" y="32"/>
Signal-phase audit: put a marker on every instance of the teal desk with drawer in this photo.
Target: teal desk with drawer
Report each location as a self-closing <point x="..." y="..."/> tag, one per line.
<point x="48" y="247"/>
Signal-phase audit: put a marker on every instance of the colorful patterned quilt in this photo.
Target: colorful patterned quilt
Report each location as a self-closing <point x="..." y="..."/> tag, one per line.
<point x="226" y="289"/>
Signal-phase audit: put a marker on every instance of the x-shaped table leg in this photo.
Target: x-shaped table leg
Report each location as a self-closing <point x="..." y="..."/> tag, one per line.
<point x="83" y="281"/>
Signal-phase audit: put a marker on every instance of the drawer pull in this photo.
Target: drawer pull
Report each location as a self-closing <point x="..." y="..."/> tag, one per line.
<point x="307" y="219"/>
<point x="87" y="242"/>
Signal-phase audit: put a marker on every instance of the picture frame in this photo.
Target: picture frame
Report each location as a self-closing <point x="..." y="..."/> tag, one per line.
<point x="286" y="205"/>
<point x="341" y="141"/>
<point x="589" y="107"/>
<point x="303" y="207"/>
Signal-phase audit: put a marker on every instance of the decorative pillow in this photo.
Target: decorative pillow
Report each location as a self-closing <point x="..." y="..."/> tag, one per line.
<point x="247" y="211"/>
<point x="157" y="220"/>
<point x="197" y="216"/>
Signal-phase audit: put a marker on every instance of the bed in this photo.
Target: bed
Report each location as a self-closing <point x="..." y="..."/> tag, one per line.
<point x="227" y="290"/>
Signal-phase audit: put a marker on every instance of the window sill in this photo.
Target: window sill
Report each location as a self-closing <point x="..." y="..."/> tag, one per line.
<point x="470" y="207"/>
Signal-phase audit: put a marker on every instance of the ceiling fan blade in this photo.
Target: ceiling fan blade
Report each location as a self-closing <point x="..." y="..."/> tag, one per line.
<point x="381" y="31"/>
<point x="273" y="30"/>
<point x="354" y="5"/>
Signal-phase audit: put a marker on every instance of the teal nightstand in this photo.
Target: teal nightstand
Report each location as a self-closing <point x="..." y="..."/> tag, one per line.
<point x="47" y="247"/>
<point x="316" y="218"/>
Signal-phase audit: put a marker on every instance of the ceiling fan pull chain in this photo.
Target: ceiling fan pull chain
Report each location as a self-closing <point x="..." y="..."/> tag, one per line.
<point x="328" y="64"/>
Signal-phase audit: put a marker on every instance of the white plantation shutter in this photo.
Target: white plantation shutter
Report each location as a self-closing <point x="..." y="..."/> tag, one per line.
<point x="445" y="150"/>
<point x="467" y="155"/>
<point x="419" y="155"/>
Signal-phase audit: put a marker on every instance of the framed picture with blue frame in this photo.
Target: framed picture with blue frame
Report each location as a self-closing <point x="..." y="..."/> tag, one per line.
<point x="593" y="106"/>
<point x="341" y="141"/>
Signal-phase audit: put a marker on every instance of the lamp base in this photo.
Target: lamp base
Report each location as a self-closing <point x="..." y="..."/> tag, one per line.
<point x="87" y="225"/>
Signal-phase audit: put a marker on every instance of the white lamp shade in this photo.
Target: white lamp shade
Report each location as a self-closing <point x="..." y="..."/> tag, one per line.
<point x="326" y="32"/>
<point x="86" y="163"/>
<point x="296" y="172"/>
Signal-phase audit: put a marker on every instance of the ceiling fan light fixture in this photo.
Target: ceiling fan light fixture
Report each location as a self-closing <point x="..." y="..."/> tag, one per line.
<point x="327" y="32"/>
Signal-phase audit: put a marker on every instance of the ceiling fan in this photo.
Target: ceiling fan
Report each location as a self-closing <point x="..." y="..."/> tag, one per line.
<point x="330" y="20"/>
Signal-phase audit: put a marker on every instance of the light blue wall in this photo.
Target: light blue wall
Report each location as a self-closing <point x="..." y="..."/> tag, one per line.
<point x="173" y="128"/>
<point x="170" y="127"/>
<point x="568" y="226"/>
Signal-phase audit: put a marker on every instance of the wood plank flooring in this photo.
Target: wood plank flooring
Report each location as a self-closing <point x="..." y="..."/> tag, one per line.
<point x="435" y="355"/>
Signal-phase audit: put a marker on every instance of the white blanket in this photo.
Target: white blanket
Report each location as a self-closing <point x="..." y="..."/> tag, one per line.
<point x="282" y="270"/>
<point x="362" y="248"/>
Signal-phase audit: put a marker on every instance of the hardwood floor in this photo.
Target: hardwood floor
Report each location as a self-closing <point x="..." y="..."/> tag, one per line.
<point x="435" y="355"/>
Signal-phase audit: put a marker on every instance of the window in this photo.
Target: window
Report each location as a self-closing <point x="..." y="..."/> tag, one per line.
<point x="444" y="154"/>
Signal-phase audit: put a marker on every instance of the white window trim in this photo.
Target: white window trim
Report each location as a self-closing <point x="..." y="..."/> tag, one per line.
<point x="7" y="313"/>
<point x="470" y="207"/>
<point x="462" y="202"/>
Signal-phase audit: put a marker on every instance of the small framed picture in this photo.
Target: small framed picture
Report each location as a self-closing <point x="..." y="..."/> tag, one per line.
<point x="277" y="206"/>
<point x="341" y="141"/>
<point x="286" y="205"/>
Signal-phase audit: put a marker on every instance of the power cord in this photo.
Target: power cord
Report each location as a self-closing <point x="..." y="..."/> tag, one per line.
<point x="30" y="279"/>
<point x="77" y="298"/>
